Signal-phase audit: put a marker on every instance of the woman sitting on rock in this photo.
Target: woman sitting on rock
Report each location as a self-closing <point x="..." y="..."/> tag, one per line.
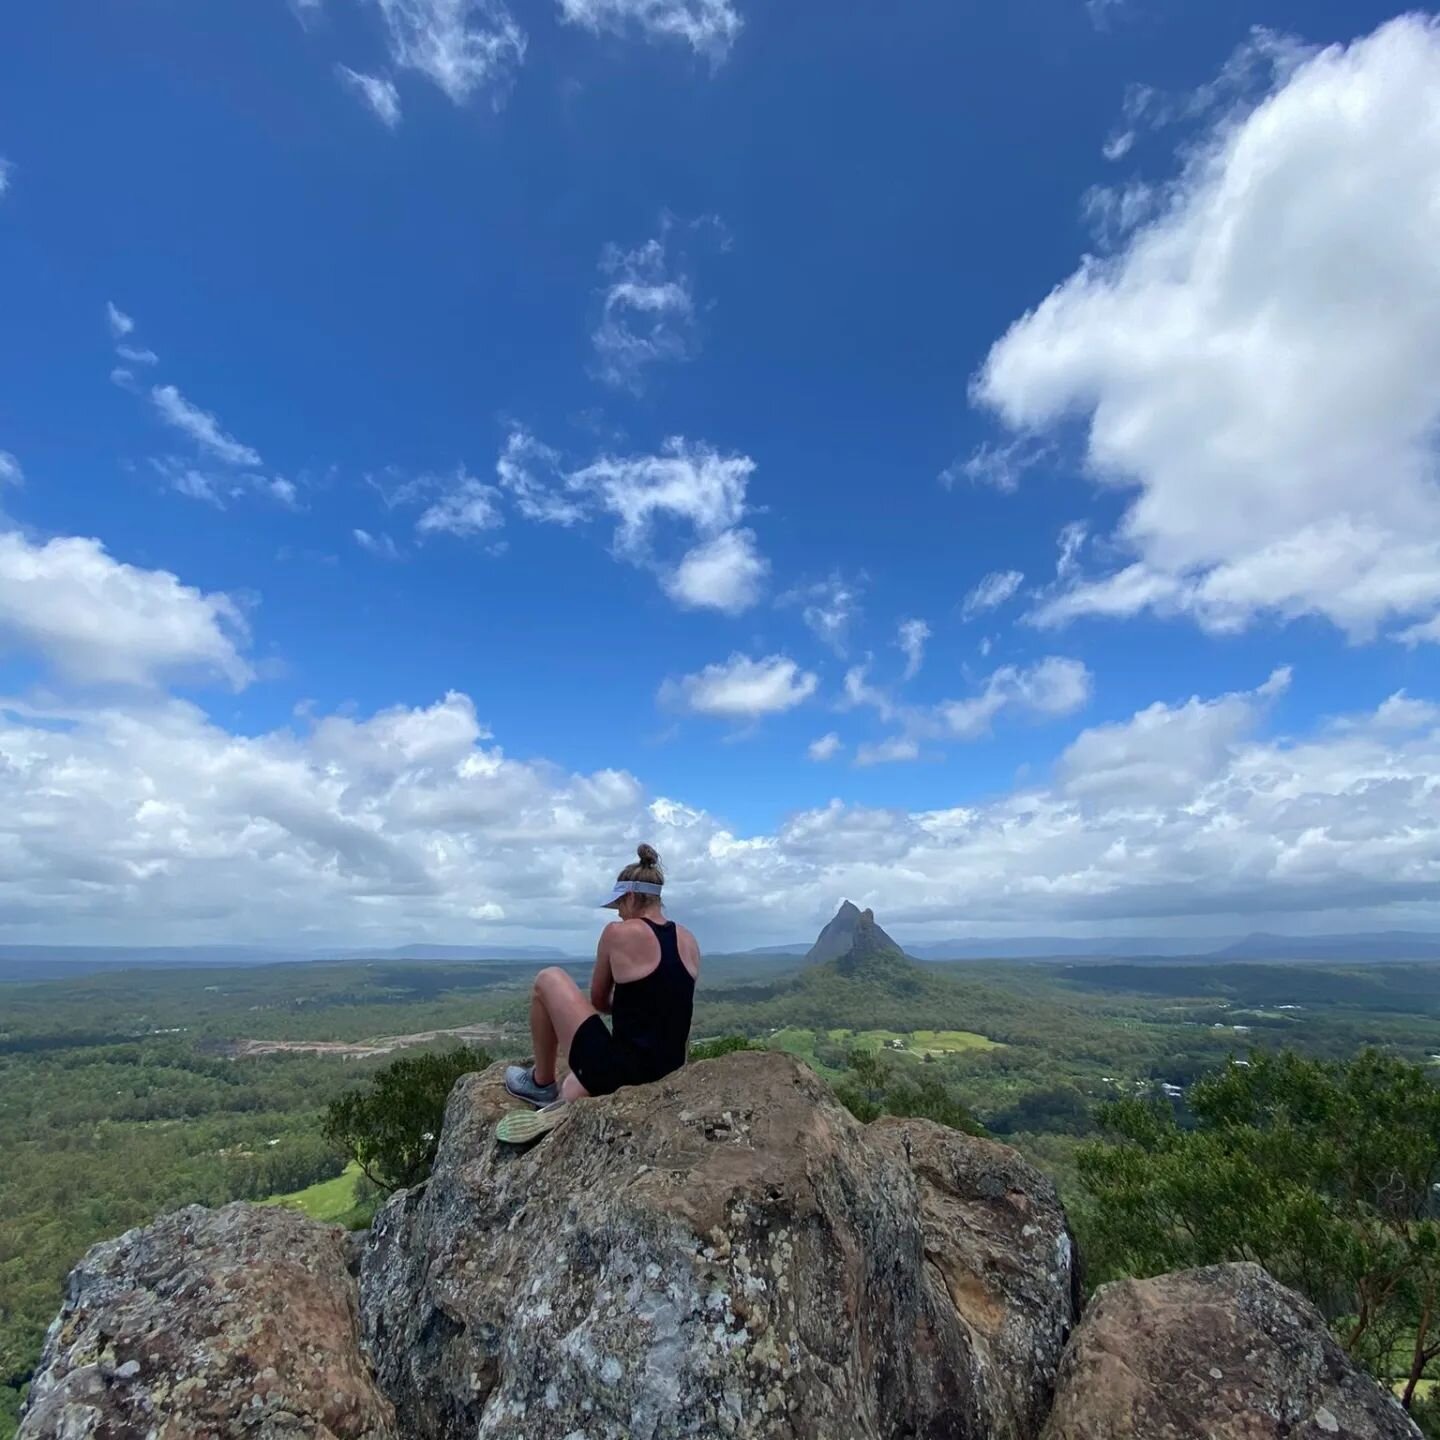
<point x="644" y="977"/>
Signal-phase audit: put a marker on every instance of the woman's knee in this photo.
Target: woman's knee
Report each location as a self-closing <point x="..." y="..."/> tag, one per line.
<point x="546" y="979"/>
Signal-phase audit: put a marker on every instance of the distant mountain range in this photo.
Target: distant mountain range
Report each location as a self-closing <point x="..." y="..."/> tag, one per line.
<point x="58" y="962"/>
<point x="49" y="962"/>
<point x="1381" y="945"/>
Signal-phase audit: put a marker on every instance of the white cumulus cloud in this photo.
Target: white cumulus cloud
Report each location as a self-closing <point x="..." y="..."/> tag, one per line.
<point x="827" y="747"/>
<point x="96" y="620"/>
<point x="151" y="823"/>
<point x="1259" y="365"/>
<point x="686" y="482"/>
<point x="742" y="689"/>
<point x="724" y="574"/>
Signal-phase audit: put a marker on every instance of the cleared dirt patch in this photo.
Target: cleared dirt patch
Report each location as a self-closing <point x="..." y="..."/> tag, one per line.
<point x="366" y="1049"/>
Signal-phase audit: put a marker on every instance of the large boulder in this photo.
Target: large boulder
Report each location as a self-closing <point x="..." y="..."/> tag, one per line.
<point x="205" y="1325"/>
<point x="1224" y="1353"/>
<point x="725" y="1253"/>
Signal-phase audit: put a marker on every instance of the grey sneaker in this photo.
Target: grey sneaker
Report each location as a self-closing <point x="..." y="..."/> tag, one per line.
<point x="520" y="1082"/>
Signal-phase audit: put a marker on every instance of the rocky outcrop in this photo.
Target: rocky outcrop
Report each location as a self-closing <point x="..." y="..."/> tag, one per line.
<point x="725" y="1253"/>
<point x="220" y="1323"/>
<point x="851" y="930"/>
<point x="1223" y="1353"/>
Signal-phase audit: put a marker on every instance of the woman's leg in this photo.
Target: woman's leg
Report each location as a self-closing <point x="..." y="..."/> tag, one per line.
<point x="557" y="1011"/>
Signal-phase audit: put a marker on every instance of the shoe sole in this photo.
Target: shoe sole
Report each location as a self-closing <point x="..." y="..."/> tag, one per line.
<point x="520" y="1127"/>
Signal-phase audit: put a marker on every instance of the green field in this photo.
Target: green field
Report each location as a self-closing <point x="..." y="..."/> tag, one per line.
<point x="331" y="1201"/>
<point x="923" y="1044"/>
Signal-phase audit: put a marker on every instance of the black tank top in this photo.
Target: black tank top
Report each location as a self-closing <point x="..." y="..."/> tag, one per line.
<point x="652" y="1014"/>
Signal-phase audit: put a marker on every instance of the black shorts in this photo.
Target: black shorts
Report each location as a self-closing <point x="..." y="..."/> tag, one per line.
<point x="603" y="1064"/>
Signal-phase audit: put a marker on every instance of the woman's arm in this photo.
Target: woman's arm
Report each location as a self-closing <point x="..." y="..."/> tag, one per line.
<point x="602" y="982"/>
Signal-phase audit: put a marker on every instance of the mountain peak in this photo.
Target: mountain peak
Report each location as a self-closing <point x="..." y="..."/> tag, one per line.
<point x="851" y="933"/>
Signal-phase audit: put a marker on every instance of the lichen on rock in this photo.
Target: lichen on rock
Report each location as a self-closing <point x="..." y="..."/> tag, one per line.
<point x="1221" y="1353"/>
<point x="238" y="1321"/>
<point x="725" y="1253"/>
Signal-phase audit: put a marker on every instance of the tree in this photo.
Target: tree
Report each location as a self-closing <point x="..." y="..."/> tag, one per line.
<point x="392" y="1128"/>
<point x="1324" y="1173"/>
<point x="872" y="1088"/>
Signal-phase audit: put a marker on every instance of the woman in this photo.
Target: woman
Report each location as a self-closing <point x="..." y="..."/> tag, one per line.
<point x="644" y="977"/>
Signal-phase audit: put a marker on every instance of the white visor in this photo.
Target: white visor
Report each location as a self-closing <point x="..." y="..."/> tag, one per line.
<point x="628" y="887"/>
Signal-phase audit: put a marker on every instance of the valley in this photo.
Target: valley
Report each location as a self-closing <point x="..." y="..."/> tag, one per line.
<point x="123" y="1095"/>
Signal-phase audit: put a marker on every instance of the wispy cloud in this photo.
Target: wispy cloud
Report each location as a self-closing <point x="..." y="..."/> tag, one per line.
<point x="6" y="170"/>
<point x="136" y="355"/>
<point x="897" y="749"/>
<point x="218" y="487"/>
<point x="463" y="46"/>
<point x="828" y="608"/>
<point x="202" y="427"/>
<point x="827" y="747"/>
<point x="860" y="692"/>
<point x="999" y="466"/>
<point x="709" y="27"/>
<point x="1119" y="145"/>
<point x="992" y="592"/>
<point x="465" y="506"/>
<point x="1052" y="686"/>
<point x="531" y="473"/>
<point x="648" y="317"/>
<point x="376" y="91"/>
<point x="10" y="471"/>
<point x="1100" y="11"/>
<point x="120" y="323"/>
<point x="378" y="544"/>
<point x="911" y="640"/>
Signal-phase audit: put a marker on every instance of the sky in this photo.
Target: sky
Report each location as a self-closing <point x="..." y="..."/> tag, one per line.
<point x="975" y="460"/>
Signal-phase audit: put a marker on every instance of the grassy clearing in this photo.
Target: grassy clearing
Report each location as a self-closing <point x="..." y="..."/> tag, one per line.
<point x="915" y="1042"/>
<point x="919" y="1043"/>
<point x="330" y="1201"/>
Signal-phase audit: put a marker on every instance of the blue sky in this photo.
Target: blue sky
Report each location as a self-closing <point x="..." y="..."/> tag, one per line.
<point x="664" y="380"/>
